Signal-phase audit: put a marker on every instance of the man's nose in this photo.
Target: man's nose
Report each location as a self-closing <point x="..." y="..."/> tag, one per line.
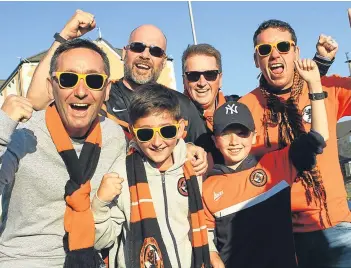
<point x="81" y="90"/>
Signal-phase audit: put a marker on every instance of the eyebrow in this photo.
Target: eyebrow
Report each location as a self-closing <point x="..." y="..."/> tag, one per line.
<point x="89" y="71"/>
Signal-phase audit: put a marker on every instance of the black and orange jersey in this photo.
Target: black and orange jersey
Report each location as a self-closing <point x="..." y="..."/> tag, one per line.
<point x="307" y="215"/>
<point x="249" y="211"/>
<point x="118" y="104"/>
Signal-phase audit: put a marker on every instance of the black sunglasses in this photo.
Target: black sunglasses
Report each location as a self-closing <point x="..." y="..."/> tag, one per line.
<point x="70" y="80"/>
<point x="139" y="47"/>
<point x="194" y="76"/>
<point x="166" y="132"/>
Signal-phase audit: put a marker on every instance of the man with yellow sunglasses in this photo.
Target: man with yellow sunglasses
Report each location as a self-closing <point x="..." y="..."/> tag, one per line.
<point x="281" y="110"/>
<point x="144" y="58"/>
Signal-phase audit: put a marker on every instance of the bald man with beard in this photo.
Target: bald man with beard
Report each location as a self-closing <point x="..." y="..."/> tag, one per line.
<point x="144" y="58"/>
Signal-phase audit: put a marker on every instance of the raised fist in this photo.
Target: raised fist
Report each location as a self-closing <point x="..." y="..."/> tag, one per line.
<point x="17" y="108"/>
<point x="80" y="23"/>
<point x="327" y="46"/>
<point x="308" y="70"/>
<point x="110" y="187"/>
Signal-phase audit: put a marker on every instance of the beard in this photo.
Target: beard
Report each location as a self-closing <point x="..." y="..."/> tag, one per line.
<point x="141" y="77"/>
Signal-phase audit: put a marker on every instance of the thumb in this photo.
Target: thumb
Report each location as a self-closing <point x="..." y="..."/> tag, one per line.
<point x="349" y="15"/>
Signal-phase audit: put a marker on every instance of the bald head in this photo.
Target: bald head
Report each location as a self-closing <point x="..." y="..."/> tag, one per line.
<point x="149" y="34"/>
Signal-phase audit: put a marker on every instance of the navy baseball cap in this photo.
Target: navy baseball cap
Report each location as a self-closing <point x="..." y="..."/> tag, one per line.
<point x="230" y="113"/>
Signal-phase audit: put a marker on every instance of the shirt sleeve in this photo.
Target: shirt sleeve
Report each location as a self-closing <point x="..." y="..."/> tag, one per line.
<point x="278" y="163"/>
<point x="323" y="63"/>
<point x="342" y="92"/>
<point x="211" y="225"/>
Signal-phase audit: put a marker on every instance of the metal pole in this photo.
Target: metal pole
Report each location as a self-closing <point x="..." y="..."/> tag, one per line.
<point x="348" y="61"/>
<point x="192" y="22"/>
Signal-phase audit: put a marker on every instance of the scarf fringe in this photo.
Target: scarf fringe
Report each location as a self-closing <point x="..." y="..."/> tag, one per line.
<point x="83" y="258"/>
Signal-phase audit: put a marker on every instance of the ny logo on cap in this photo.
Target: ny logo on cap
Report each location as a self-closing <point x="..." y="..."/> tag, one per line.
<point x="231" y="108"/>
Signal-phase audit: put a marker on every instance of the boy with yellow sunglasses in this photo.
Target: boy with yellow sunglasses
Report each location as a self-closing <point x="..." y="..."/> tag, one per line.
<point x="160" y="209"/>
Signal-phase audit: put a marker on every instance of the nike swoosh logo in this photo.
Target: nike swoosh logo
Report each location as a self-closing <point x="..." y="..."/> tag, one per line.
<point x="116" y="110"/>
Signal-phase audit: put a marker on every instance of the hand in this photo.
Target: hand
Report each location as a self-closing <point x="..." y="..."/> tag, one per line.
<point x="308" y="70"/>
<point x="80" y="23"/>
<point x="110" y="187"/>
<point x="216" y="261"/>
<point x="17" y="108"/>
<point x="198" y="158"/>
<point x="327" y="46"/>
<point x="349" y="13"/>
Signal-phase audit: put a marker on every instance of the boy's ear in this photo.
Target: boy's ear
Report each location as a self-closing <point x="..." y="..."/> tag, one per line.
<point x="181" y="129"/>
<point x="214" y="141"/>
<point x="130" y="129"/>
<point x="254" y="138"/>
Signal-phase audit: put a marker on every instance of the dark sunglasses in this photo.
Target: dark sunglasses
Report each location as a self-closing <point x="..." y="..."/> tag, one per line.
<point x="195" y="75"/>
<point x="139" y="47"/>
<point x="166" y="132"/>
<point x="282" y="47"/>
<point x="70" y="80"/>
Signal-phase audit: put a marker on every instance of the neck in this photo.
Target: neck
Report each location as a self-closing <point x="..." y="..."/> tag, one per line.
<point x="165" y="165"/>
<point x="232" y="165"/>
<point x="130" y="84"/>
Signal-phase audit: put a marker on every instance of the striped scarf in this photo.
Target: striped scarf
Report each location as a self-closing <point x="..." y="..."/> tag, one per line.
<point x="78" y="219"/>
<point x="146" y="245"/>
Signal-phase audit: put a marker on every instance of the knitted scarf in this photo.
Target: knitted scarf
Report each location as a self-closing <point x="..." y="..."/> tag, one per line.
<point x="78" y="219"/>
<point x="208" y="114"/>
<point x="287" y="116"/>
<point x="146" y="247"/>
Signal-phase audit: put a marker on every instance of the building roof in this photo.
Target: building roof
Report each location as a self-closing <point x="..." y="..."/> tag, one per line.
<point x="2" y="81"/>
<point x="343" y="128"/>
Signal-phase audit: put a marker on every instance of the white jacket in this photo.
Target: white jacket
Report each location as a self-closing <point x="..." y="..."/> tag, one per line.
<point x="171" y="207"/>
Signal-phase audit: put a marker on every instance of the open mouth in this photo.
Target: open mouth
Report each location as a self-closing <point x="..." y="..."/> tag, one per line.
<point x="79" y="107"/>
<point x="143" y="66"/>
<point x="277" y="68"/>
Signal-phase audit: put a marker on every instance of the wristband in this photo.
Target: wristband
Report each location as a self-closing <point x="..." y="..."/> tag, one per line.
<point x="318" y="96"/>
<point x="59" y="38"/>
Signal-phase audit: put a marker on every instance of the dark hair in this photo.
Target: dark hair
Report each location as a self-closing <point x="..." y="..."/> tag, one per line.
<point x="202" y="49"/>
<point x="153" y="98"/>
<point x="277" y="24"/>
<point x="79" y="43"/>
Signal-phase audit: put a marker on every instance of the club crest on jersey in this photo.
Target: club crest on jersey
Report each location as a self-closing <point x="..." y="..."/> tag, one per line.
<point x="307" y="114"/>
<point x="258" y="177"/>
<point x="150" y="255"/>
<point x="182" y="187"/>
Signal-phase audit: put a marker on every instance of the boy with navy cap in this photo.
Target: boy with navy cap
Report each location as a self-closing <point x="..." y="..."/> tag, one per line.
<point x="247" y="200"/>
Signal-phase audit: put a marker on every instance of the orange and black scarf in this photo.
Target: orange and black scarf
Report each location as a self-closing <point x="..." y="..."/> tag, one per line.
<point x="145" y="242"/>
<point x="78" y="219"/>
<point x="287" y="116"/>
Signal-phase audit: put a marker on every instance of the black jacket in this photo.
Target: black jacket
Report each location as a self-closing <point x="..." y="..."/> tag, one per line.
<point x="119" y="101"/>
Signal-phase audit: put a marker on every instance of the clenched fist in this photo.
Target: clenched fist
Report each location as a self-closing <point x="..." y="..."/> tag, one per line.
<point x="80" y="23"/>
<point x="308" y="70"/>
<point x="17" y="108"/>
<point x="327" y="46"/>
<point x="110" y="187"/>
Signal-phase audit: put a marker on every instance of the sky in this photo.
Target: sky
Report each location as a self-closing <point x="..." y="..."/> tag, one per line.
<point x="27" y="28"/>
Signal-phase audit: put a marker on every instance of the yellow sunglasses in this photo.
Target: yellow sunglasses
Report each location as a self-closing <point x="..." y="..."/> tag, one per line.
<point x="94" y="81"/>
<point x="166" y="132"/>
<point x="281" y="46"/>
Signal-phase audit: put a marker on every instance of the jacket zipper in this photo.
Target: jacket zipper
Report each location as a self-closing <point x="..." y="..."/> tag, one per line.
<point x="167" y="220"/>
